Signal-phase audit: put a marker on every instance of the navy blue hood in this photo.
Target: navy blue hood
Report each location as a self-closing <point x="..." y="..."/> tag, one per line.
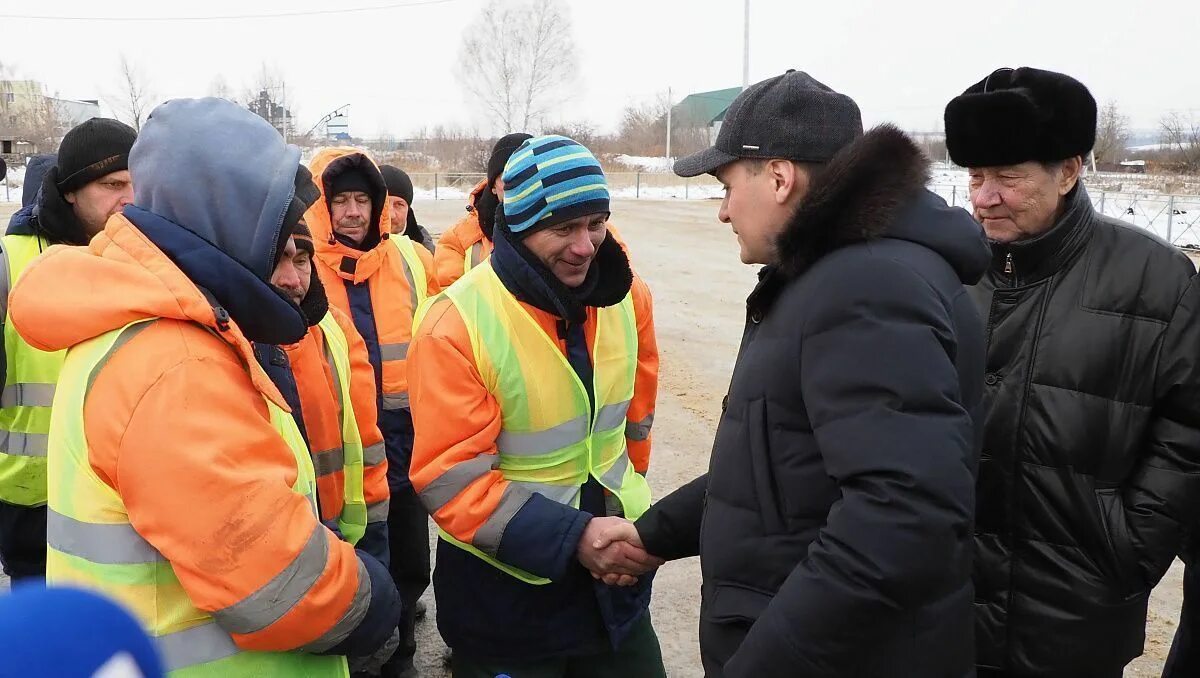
<point x="220" y="172"/>
<point x="35" y="171"/>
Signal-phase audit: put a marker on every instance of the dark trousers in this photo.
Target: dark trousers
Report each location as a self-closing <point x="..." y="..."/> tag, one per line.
<point x="23" y="541"/>
<point x="408" y="542"/>
<point x="1115" y="672"/>
<point x="1184" y="660"/>
<point x="638" y="657"/>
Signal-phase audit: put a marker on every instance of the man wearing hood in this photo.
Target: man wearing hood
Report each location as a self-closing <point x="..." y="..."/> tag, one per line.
<point x="469" y="241"/>
<point x="400" y="199"/>
<point x="834" y="524"/>
<point x="77" y="192"/>
<point x="378" y="280"/>
<point x="1090" y="474"/>
<point x="533" y="381"/>
<point x="179" y="484"/>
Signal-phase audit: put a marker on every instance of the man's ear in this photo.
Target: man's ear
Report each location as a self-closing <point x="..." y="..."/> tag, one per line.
<point x="790" y="181"/>
<point x="1069" y="172"/>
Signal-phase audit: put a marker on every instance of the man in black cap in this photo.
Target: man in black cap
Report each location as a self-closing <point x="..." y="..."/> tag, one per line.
<point x="834" y="524"/>
<point x="400" y="198"/>
<point x="1090" y="473"/>
<point x="89" y="183"/>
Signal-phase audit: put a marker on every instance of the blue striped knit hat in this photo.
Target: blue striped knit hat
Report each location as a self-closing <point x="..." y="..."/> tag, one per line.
<point x="549" y="180"/>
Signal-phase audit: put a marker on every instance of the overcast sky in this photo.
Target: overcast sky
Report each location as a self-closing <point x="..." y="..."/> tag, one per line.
<point x="902" y="61"/>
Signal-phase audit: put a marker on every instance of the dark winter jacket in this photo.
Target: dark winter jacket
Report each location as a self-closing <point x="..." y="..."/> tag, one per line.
<point x="1091" y="459"/>
<point x="837" y="510"/>
<point x="48" y="215"/>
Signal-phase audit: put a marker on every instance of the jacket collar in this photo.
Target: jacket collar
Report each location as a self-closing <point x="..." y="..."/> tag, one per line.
<point x="608" y="281"/>
<point x="1041" y="257"/>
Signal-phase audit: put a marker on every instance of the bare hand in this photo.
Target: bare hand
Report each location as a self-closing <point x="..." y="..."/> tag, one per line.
<point x="606" y="550"/>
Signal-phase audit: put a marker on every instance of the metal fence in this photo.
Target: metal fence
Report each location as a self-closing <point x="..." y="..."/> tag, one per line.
<point x="1176" y="218"/>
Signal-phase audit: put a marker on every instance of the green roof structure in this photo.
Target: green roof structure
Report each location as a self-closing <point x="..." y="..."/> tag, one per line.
<point x="705" y="108"/>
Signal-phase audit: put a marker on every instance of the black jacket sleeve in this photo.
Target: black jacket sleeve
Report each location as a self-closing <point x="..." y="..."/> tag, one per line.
<point x="1160" y="501"/>
<point x="882" y="391"/>
<point x="671" y="528"/>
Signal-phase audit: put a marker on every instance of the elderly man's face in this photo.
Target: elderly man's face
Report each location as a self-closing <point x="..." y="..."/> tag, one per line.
<point x="1019" y="202"/>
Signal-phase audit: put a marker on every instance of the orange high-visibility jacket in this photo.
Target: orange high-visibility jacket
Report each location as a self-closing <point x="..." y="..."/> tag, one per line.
<point x="382" y="268"/>
<point x="177" y="424"/>
<point x="319" y="403"/>
<point x="459" y="420"/>
<point x="450" y="256"/>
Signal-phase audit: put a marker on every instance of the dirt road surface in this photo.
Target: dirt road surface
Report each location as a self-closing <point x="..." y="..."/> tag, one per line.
<point x="690" y="261"/>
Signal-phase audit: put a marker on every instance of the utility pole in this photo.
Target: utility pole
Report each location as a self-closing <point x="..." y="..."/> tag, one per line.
<point x="746" y="49"/>
<point x="669" y="107"/>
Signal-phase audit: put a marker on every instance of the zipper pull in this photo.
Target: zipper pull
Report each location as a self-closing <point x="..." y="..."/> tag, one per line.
<point x="1008" y="265"/>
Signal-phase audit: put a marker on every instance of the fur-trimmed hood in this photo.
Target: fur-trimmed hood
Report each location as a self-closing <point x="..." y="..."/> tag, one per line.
<point x="874" y="188"/>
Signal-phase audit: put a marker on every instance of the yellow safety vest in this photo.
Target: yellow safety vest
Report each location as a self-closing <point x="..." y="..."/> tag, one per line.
<point x="473" y="256"/>
<point x="551" y="439"/>
<point x="92" y="544"/>
<point x="353" y="520"/>
<point x="29" y="381"/>
<point x="414" y="273"/>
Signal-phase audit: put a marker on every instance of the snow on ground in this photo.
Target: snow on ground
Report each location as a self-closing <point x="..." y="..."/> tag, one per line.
<point x="645" y="163"/>
<point x="11" y="191"/>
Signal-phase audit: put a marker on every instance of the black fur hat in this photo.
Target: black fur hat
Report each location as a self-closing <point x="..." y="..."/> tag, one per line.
<point x="1014" y="116"/>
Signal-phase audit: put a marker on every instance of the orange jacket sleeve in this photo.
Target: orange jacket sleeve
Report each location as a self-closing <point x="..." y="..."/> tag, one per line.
<point x="207" y="481"/>
<point x="450" y="253"/>
<point x="640" y="418"/>
<point x="362" y="394"/>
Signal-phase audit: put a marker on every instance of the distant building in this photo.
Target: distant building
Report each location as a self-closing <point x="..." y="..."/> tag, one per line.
<point x="265" y="107"/>
<point x="704" y="109"/>
<point x="338" y="128"/>
<point x="33" y="122"/>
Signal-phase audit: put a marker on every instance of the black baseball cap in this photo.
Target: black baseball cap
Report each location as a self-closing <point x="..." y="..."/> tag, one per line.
<point x="791" y="116"/>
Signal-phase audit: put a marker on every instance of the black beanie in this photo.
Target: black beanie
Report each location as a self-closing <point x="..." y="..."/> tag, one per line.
<point x="93" y="149"/>
<point x="502" y="151"/>
<point x="303" y="238"/>
<point x="399" y="185"/>
<point x="1014" y="116"/>
<point x="349" y="180"/>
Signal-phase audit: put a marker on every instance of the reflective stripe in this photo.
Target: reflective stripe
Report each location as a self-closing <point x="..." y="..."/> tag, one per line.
<point x="487" y="538"/>
<point x="378" y="513"/>
<point x="267" y="605"/>
<point x="563" y="494"/>
<point x="393" y="351"/>
<point x="455" y="479"/>
<point x="638" y="431"/>
<point x="350" y="620"/>
<point x="329" y="461"/>
<point x="5" y="284"/>
<point x="614" y="476"/>
<point x="476" y="254"/>
<point x="27" y="395"/>
<point x="517" y="443"/>
<point x="103" y="543"/>
<point x="412" y="289"/>
<point x="197" y="645"/>
<point x="375" y="454"/>
<point x="395" y="401"/>
<point x="611" y="416"/>
<point x="20" y="444"/>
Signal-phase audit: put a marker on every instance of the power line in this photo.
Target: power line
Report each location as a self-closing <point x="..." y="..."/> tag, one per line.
<point x="228" y="17"/>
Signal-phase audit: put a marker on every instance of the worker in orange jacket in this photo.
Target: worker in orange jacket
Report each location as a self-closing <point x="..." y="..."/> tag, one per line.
<point x="468" y="242"/>
<point x="308" y="374"/>
<point x="378" y="279"/>
<point x="533" y="383"/>
<point x="178" y="482"/>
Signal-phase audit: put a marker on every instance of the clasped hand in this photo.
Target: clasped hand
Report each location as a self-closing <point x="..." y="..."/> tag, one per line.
<point x="612" y="551"/>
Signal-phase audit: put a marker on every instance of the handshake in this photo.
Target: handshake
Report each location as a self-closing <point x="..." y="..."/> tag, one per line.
<point x="612" y="551"/>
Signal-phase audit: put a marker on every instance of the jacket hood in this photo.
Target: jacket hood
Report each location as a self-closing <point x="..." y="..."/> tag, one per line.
<point x="192" y="150"/>
<point x="35" y="171"/>
<point x="325" y="167"/>
<point x="875" y="188"/>
<point x="49" y="216"/>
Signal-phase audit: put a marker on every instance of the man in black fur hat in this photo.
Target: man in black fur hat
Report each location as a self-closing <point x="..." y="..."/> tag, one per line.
<point x="837" y="510"/>
<point x="1090" y="473"/>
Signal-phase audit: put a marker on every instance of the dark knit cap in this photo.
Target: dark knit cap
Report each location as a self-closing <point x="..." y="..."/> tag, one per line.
<point x="1022" y="115"/>
<point x="305" y="195"/>
<point x="303" y="238"/>
<point x="93" y="149"/>
<point x="399" y="184"/>
<point x="502" y="151"/>
<point x="350" y="180"/>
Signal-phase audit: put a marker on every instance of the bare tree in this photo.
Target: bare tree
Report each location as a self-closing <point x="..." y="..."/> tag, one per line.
<point x="518" y="60"/>
<point x="1112" y="134"/>
<point x="1181" y="139"/>
<point x="136" y="97"/>
<point x="220" y="88"/>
